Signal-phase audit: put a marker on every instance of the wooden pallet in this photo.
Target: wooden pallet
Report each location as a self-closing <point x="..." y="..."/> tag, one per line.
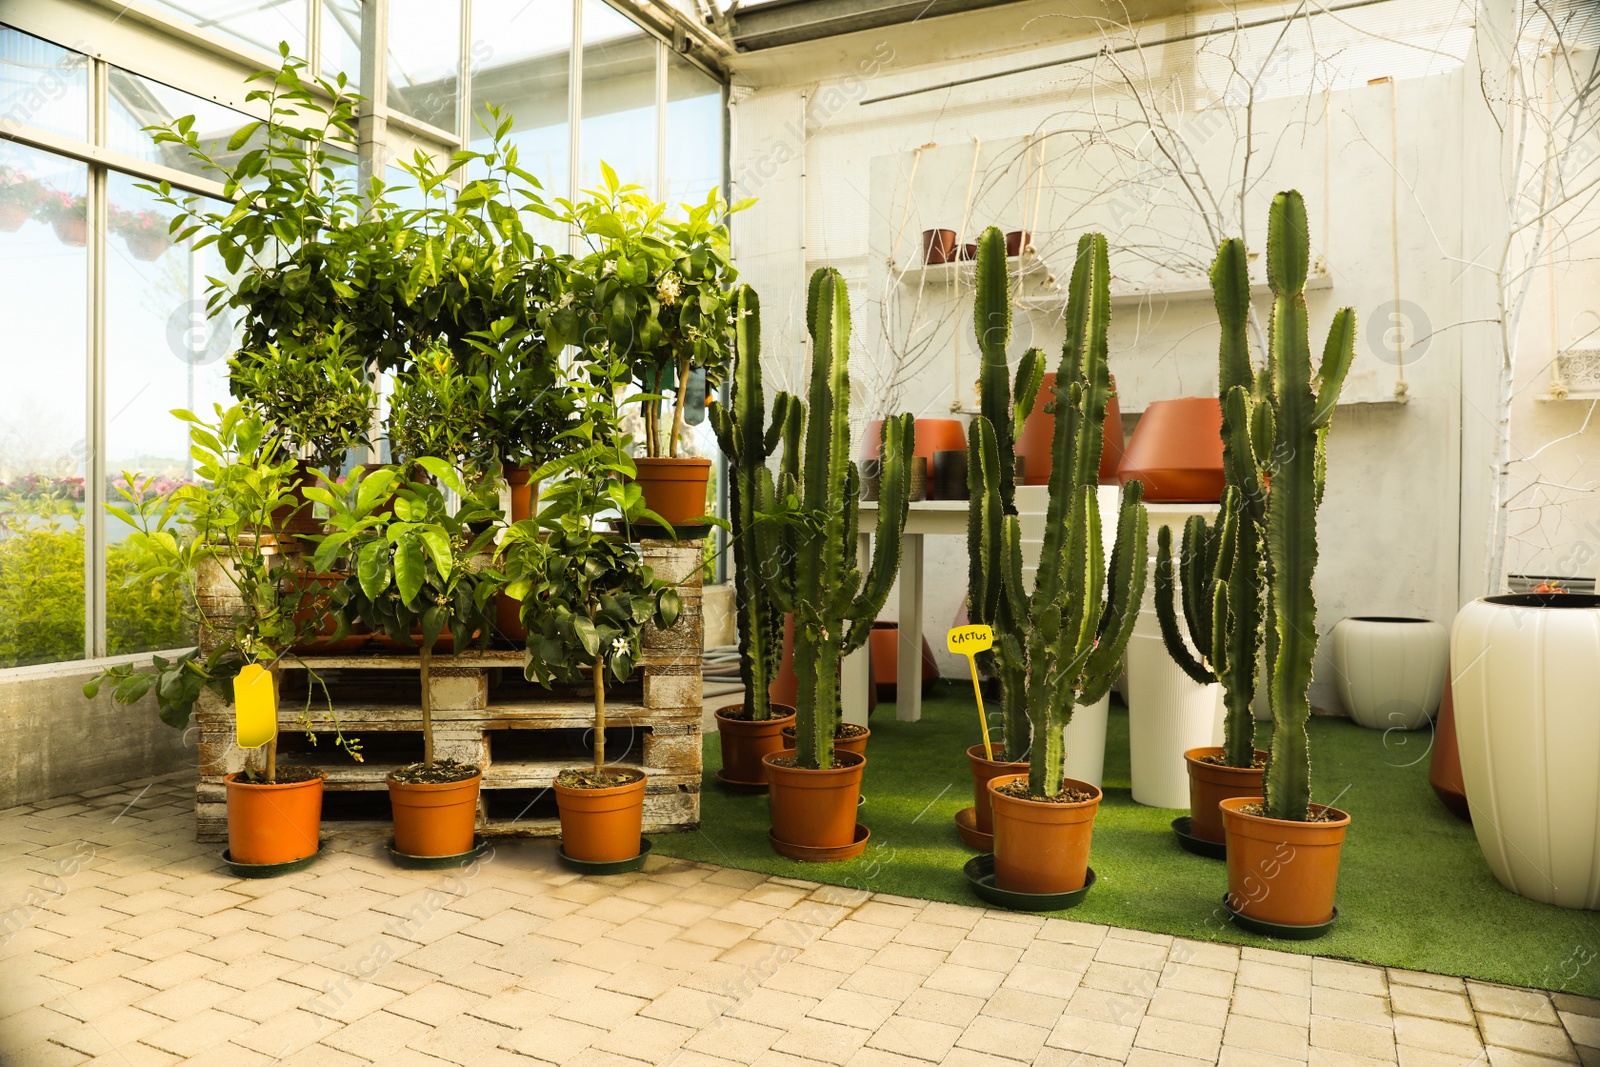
<point x="484" y="712"/>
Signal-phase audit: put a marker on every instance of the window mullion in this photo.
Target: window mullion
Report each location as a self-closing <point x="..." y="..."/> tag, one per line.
<point x="661" y="120"/>
<point x="575" y="118"/>
<point x="94" y="482"/>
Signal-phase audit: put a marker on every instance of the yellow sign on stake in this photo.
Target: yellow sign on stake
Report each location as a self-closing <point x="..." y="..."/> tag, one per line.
<point x="968" y="641"/>
<point x="255" y="706"/>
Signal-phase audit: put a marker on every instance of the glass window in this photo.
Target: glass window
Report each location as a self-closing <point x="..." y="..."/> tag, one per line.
<point x="619" y="98"/>
<point x="260" y="24"/>
<point x="43" y="443"/>
<point x="694" y="133"/>
<point x="43" y="85"/>
<point x="521" y="63"/>
<point x="162" y="354"/>
<point x="341" y="40"/>
<point x="425" y="60"/>
<point x="137" y="102"/>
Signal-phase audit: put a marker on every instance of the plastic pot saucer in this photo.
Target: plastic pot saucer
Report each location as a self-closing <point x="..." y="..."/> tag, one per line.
<point x="735" y="785"/>
<point x="1216" y="850"/>
<point x="971" y="836"/>
<point x="980" y="874"/>
<point x="632" y="863"/>
<point x="1279" y="930"/>
<point x="480" y="845"/>
<point x="270" y="870"/>
<point x="808" y="854"/>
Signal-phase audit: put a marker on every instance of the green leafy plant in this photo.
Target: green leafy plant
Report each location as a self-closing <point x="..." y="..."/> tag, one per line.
<point x="416" y="568"/>
<point x="654" y="293"/>
<point x="1061" y="645"/>
<point x="814" y="572"/>
<point x="1284" y="432"/>
<point x="1221" y="575"/>
<point x="748" y="441"/>
<point x="315" y="394"/>
<point x="1005" y="407"/>
<point x="216" y="540"/>
<point x="438" y="410"/>
<point x="531" y="401"/>
<point x="586" y="594"/>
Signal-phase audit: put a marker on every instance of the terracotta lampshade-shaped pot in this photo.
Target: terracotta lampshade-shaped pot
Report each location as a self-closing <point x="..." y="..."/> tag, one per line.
<point x="1033" y="444"/>
<point x="1176" y="451"/>
<point x="1444" y="763"/>
<point x="938" y="246"/>
<point x="784" y="689"/>
<point x="933" y="435"/>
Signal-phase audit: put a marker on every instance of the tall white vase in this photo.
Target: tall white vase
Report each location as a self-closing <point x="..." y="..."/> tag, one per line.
<point x="1390" y="672"/>
<point x="1086" y="742"/>
<point x="1527" y="707"/>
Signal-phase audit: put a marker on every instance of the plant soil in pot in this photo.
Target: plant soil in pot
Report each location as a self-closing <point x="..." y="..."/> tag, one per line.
<point x="435" y="807"/>
<point x="277" y="823"/>
<point x="1041" y="846"/>
<point x="847" y="738"/>
<point x="602" y="813"/>
<point x="1176" y="451"/>
<point x="1390" y="672"/>
<point x="814" y="809"/>
<point x="674" y="487"/>
<point x="1283" y="871"/>
<point x="745" y="741"/>
<point x="1212" y="781"/>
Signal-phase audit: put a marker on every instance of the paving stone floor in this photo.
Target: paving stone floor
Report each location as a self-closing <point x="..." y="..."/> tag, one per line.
<point x="123" y="941"/>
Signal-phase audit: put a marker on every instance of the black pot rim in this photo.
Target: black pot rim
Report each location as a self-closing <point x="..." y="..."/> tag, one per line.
<point x="1386" y="618"/>
<point x="1544" y="600"/>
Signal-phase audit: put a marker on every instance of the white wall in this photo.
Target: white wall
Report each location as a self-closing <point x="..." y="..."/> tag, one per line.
<point x="842" y="182"/>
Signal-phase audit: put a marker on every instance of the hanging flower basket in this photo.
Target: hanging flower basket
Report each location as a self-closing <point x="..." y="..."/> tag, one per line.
<point x="68" y="215"/>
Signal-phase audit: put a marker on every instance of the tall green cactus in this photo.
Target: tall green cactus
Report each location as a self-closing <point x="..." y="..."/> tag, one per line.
<point x="1005" y="408"/>
<point x="748" y="441"/>
<point x="834" y="604"/>
<point x="1062" y="644"/>
<point x="1222" y="579"/>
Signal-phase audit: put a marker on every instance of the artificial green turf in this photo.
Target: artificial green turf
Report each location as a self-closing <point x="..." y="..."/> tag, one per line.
<point x="1414" y="890"/>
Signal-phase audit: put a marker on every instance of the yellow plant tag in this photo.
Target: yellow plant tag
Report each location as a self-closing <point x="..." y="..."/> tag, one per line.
<point x="968" y="641"/>
<point x="255" y="706"/>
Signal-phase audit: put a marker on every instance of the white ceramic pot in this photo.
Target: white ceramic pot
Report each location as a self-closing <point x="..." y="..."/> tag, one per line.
<point x="1390" y="672"/>
<point x="1526" y="682"/>
<point x="1168" y="714"/>
<point x="1086" y="742"/>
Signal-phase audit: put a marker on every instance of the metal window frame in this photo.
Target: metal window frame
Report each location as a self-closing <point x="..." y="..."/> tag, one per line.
<point x="215" y="71"/>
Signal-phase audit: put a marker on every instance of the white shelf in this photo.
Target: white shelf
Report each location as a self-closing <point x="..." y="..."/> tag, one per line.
<point x="1028" y="267"/>
<point x="1318" y="277"/>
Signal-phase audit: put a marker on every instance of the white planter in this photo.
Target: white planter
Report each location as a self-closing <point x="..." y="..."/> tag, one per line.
<point x="1527" y="707"/>
<point x="1086" y="742"/>
<point x="1168" y="714"/>
<point x="1390" y="672"/>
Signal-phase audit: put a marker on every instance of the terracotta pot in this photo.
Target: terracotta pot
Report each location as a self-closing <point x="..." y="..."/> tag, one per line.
<point x="273" y="823"/>
<point x="1280" y="871"/>
<point x="1212" y="783"/>
<point x="856" y="744"/>
<point x="298" y="518"/>
<point x="815" y="809"/>
<point x="1016" y="240"/>
<point x="524" y="491"/>
<point x="601" y="825"/>
<point x="147" y="246"/>
<point x="969" y="251"/>
<point x="885" y="643"/>
<point x="1444" y="764"/>
<point x="71" y="230"/>
<point x="1390" y="672"/>
<point x="12" y="216"/>
<point x="784" y="688"/>
<point x="744" y="742"/>
<point x="316" y="609"/>
<point x="508" y="619"/>
<point x="674" y="488"/>
<point x="983" y="770"/>
<point x="932" y="435"/>
<point x="1176" y="451"/>
<point x="434" y="820"/>
<point x="1036" y="460"/>
<point x="1041" y="847"/>
<point x="938" y="246"/>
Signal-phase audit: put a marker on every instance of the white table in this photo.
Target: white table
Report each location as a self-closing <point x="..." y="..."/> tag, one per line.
<point x="948" y="517"/>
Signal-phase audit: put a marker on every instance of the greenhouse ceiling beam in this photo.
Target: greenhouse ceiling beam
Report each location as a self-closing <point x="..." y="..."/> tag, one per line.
<point x="787" y="22"/>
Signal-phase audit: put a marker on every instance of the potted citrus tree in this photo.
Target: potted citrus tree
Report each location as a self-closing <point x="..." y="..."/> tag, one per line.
<point x="215" y="539"/>
<point x="418" y="574"/>
<point x="1060" y="645"/>
<point x="750" y="730"/>
<point x="587" y="596"/>
<point x="814" y="787"/>
<point x="1284" y="431"/>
